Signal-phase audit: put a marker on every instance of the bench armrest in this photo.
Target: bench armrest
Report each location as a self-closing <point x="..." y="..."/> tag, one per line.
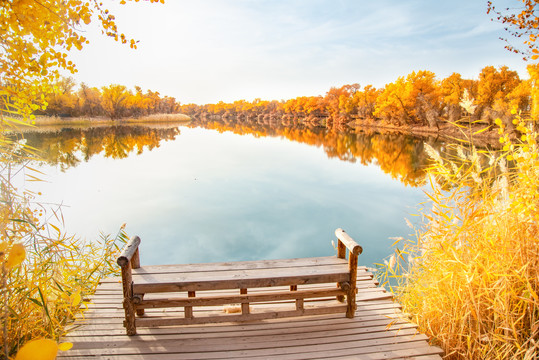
<point x="130" y="253"/>
<point x="352" y="246"/>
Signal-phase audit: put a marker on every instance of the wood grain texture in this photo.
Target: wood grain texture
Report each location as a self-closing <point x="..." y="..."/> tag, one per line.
<point x="238" y="279"/>
<point x="128" y="251"/>
<point x="216" y="300"/>
<point x="181" y="314"/>
<point x="352" y="246"/>
<point x="378" y="331"/>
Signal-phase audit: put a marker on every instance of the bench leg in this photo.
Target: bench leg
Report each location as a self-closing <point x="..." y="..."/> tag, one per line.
<point x="129" y="309"/>
<point x="188" y="310"/>
<point x="140" y="312"/>
<point x="351" y="302"/>
<point x="245" y="310"/>
<point x="351" y="297"/>
<point x="345" y="286"/>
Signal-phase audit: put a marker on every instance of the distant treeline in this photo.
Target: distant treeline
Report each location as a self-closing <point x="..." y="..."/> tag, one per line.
<point x="113" y="101"/>
<point x="417" y="99"/>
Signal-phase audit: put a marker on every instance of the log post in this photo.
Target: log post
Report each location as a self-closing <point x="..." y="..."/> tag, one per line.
<point x="129" y="308"/>
<point x="341" y="250"/>
<point x="244" y="306"/>
<point x="341" y="254"/>
<point x="135" y="260"/>
<point x="351" y="297"/>
<point x="135" y="264"/>
<point x="354" y="250"/>
<point x="299" y="302"/>
<point x="137" y="299"/>
<point x="189" y="309"/>
<point x="129" y="252"/>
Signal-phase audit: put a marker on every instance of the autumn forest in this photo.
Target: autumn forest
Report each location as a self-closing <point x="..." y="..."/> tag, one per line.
<point x="113" y="101"/>
<point x="458" y="153"/>
<point x="419" y="99"/>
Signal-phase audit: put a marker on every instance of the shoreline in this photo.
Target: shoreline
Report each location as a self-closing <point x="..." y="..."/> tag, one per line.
<point x="101" y="120"/>
<point x="482" y="135"/>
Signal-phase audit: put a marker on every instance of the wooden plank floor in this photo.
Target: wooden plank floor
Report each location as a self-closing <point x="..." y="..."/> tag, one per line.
<point x="378" y="331"/>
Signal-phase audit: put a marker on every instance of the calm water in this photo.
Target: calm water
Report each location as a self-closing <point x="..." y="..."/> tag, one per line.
<point x="220" y="192"/>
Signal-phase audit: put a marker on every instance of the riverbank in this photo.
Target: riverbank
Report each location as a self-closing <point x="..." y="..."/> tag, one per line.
<point x="482" y="135"/>
<point x="101" y="120"/>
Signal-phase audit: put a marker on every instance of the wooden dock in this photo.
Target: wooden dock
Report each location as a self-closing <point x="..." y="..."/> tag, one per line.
<point x="378" y="331"/>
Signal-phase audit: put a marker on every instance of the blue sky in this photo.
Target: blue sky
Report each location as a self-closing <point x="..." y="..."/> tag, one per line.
<point x="209" y="50"/>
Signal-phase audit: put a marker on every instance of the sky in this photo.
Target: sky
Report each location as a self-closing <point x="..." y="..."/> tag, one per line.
<point x="206" y="51"/>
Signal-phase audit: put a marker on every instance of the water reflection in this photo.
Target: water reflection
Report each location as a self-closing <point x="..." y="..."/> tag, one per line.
<point x="401" y="156"/>
<point x="67" y="147"/>
<point x="213" y="195"/>
<point x="219" y="196"/>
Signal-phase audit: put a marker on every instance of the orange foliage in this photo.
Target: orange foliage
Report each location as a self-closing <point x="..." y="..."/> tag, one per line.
<point x="114" y="101"/>
<point x="522" y="22"/>
<point x="63" y="147"/>
<point x="418" y="99"/>
<point x="400" y="156"/>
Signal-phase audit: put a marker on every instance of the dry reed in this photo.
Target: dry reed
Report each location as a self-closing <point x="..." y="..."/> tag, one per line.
<point x="45" y="276"/>
<point x="470" y="279"/>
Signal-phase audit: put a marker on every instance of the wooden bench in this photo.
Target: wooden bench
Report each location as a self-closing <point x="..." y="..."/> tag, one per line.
<point x="267" y="284"/>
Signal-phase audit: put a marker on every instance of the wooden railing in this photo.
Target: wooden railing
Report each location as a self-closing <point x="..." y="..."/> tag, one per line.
<point x="129" y="259"/>
<point x="346" y="242"/>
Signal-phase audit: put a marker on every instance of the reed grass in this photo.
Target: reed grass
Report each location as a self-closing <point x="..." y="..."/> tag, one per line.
<point x="70" y="121"/>
<point x="470" y="278"/>
<point x="88" y="121"/>
<point x="46" y="276"/>
<point x="160" y="118"/>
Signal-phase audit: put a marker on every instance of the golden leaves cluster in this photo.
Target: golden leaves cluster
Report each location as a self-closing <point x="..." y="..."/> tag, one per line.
<point x="521" y="22"/>
<point x="44" y="277"/>
<point x="35" y="37"/>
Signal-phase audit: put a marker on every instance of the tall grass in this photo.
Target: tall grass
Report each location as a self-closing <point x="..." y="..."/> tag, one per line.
<point x="45" y="275"/>
<point x="470" y="279"/>
<point x="101" y="120"/>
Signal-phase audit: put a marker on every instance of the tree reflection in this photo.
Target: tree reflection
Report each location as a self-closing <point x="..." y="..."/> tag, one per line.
<point x="69" y="146"/>
<point x="401" y="156"/>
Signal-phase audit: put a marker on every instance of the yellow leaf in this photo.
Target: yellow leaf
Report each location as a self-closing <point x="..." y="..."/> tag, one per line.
<point x="42" y="349"/>
<point x="480" y="131"/>
<point x="65" y="346"/>
<point x="17" y="254"/>
<point x="535" y="57"/>
<point x="75" y="298"/>
<point x="3" y="246"/>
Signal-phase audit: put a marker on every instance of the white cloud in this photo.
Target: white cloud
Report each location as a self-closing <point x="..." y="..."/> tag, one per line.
<point x="208" y="50"/>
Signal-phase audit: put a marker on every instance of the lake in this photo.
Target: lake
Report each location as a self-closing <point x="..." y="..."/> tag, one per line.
<point x="218" y="191"/>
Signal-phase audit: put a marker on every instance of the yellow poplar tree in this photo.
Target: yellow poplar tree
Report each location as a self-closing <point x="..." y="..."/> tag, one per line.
<point x="35" y="38"/>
